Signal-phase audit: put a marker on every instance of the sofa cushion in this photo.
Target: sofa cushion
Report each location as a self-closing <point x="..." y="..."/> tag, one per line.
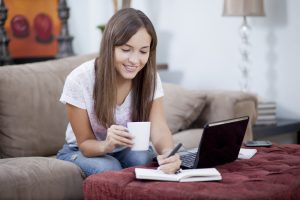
<point x="32" y="120"/>
<point x="182" y="106"/>
<point x="226" y="104"/>
<point x="189" y="138"/>
<point x="39" y="178"/>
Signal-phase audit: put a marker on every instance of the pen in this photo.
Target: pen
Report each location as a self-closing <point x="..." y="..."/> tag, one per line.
<point x="172" y="153"/>
<point x="175" y="150"/>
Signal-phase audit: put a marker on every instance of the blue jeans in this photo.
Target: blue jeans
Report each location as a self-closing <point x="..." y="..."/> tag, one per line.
<point x="111" y="161"/>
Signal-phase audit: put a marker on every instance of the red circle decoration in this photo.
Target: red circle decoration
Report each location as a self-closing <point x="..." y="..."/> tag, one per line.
<point x="43" y="28"/>
<point x="19" y="26"/>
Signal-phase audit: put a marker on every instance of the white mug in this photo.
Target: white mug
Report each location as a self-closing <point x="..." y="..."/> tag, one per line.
<point x="141" y="133"/>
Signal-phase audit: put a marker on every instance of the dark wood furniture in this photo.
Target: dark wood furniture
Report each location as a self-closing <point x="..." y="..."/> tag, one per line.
<point x="64" y="39"/>
<point x="5" y="58"/>
<point x="282" y="126"/>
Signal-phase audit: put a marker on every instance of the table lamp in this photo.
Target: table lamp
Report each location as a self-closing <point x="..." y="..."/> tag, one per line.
<point x="244" y="8"/>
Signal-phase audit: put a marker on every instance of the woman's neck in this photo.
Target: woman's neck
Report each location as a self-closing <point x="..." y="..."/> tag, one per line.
<point x="123" y="89"/>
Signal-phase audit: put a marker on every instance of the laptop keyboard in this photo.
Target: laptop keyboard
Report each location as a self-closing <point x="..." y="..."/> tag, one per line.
<point x="188" y="159"/>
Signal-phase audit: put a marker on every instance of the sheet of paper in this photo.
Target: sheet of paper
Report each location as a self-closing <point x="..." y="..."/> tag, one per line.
<point x="246" y="153"/>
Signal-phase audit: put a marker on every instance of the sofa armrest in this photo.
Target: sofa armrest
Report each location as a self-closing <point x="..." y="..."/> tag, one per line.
<point x="223" y="104"/>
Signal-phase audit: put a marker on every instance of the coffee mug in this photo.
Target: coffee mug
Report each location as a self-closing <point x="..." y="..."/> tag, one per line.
<point x="141" y="133"/>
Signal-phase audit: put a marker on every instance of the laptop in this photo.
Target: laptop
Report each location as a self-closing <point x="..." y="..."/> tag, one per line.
<point x="220" y="143"/>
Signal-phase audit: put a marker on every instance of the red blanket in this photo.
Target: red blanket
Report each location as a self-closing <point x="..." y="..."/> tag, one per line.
<point x="273" y="173"/>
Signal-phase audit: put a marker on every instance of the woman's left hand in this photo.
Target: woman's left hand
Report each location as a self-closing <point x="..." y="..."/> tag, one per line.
<point x="169" y="165"/>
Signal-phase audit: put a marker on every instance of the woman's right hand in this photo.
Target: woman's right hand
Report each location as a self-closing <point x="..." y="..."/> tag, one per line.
<point x="117" y="135"/>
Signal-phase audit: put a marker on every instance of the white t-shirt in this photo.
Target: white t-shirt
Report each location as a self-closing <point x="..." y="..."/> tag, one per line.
<point x="78" y="91"/>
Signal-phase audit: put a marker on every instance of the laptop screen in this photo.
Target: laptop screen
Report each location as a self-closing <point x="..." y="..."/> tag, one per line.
<point x="221" y="142"/>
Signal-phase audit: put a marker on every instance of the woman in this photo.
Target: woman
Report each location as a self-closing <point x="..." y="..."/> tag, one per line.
<point x="102" y="95"/>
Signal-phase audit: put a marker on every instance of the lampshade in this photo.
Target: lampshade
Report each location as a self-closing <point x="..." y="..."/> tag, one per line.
<point x="243" y="8"/>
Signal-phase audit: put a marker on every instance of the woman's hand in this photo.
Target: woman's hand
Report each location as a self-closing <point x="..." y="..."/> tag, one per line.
<point x="117" y="135"/>
<point x="169" y="165"/>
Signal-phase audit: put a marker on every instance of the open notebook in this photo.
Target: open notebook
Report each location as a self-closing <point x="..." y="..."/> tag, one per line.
<point x="188" y="175"/>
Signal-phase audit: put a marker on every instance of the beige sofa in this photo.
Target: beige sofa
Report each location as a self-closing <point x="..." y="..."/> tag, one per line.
<point x="33" y="123"/>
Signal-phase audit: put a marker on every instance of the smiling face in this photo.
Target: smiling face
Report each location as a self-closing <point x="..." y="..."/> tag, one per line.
<point x="131" y="57"/>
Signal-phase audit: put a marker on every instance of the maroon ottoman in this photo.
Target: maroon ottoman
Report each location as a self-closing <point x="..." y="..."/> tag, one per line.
<point x="273" y="173"/>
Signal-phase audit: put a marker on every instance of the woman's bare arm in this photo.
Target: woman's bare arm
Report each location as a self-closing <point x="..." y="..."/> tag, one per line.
<point x="86" y="140"/>
<point x="162" y="139"/>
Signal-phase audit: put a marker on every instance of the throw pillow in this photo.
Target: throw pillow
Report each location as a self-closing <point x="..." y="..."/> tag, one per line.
<point x="182" y="106"/>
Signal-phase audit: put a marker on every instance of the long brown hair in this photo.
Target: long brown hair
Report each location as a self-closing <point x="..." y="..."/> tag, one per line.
<point x="120" y="28"/>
